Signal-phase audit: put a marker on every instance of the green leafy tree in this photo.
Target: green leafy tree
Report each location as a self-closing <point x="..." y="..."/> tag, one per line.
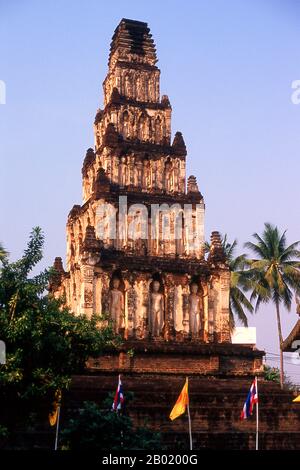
<point x="272" y="374"/>
<point x="274" y="274"/>
<point x="238" y="302"/>
<point x="95" y="429"/>
<point x="45" y="342"/>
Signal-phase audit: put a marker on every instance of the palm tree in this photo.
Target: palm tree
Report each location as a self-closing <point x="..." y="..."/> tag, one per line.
<point x="274" y="274"/>
<point x="238" y="302"/>
<point x="3" y="253"/>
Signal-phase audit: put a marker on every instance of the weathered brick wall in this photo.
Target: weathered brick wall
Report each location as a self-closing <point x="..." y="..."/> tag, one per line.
<point x="186" y="358"/>
<point x="215" y="406"/>
<point x="219" y="381"/>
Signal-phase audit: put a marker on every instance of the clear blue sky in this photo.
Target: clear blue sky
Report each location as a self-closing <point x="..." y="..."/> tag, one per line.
<point x="227" y="68"/>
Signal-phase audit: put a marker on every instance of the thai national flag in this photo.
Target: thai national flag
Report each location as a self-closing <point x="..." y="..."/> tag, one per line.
<point x="119" y="397"/>
<point x="252" y="399"/>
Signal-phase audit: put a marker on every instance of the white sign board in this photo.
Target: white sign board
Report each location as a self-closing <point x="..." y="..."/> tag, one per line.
<point x="243" y="335"/>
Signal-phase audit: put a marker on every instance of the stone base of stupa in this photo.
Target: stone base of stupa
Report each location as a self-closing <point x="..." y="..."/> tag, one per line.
<point x="186" y="358"/>
<point x="154" y="372"/>
<point x="219" y="380"/>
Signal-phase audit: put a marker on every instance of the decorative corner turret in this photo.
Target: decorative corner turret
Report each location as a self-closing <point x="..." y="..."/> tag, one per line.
<point x="192" y="186"/>
<point x="74" y="212"/>
<point x="178" y="145"/>
<point x="216" y="252"/>
<point x="58" y="265"/>
<point x="89" y="159"/>
<point x="165" y="101"/>
<point x="57" y="275"/>
<point x="98" y="116"/>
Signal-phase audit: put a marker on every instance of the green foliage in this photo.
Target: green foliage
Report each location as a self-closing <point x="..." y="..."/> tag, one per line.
<point x="238" y="302"/>
<point x="45" y="342"/>
<point x="272" y="374"/>
<point x="95" y="429"/>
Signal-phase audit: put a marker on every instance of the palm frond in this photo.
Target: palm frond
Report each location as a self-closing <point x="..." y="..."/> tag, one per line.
<point x="260" y="264"/>
<point x="3" y="253"/>
<point x="239" y="280"/>
<point x="237" y="310"/>
<point x="240" y="297"/>
<point x="257" y="249"/>
<point x="240" y="262"/>
<point x="282" y="242"/>
<point x="290" y="252"/>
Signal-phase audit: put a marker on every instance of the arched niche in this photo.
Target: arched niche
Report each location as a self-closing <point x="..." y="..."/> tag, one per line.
<point x="116" y="301"/>
<point x="117" y="274"/>
<point x="196" y="308"/>
<point x="125" y="124"/>
<point x="168" y="174"/>
<point x="158" y="130"/>
<point x="156" y="306"/>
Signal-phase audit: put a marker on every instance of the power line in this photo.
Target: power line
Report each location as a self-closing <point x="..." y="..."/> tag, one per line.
<point x="286" y="363"/>
<point x="276" y="354"/>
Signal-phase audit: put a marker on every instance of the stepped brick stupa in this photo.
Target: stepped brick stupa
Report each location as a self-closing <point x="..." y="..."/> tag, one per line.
<point x="157" y="285"/>
<point x="135" y="253"/>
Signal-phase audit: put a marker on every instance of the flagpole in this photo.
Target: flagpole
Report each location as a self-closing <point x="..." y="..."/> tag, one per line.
<point x="189" y="418"/>
<point x="57" y="428"/>
<point x="256" y="444"/>
<point x="190" y="427"/>
<point x="122" y="435"/>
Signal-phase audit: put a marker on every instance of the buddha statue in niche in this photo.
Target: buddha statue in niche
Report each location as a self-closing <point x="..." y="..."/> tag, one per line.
<point x="156" y="310"/>
<point x="146" y="179"/>
<point x="116" y="305"/>
<point x="168" y="176"/>
<point x="195" y="311"/>
<point x="122" y="172"/>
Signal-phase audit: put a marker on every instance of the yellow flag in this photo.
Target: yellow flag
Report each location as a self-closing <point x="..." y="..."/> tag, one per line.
<point x="55" y="405"/>
<point x="297" y="400"/>
<point x="182" y="402"/>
